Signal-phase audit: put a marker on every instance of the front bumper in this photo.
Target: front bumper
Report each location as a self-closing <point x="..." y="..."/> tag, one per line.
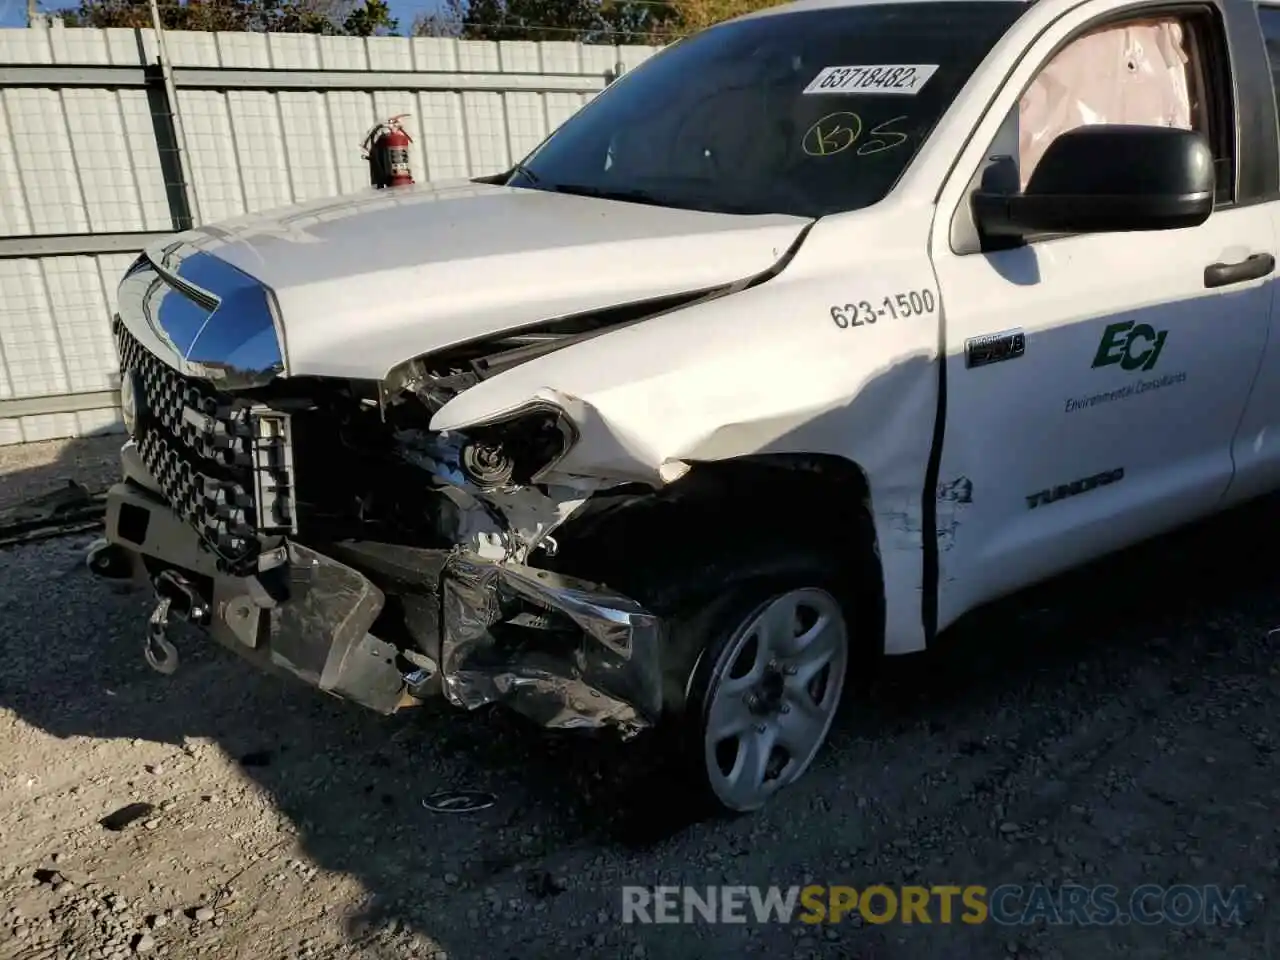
<point x="314" y="617"/>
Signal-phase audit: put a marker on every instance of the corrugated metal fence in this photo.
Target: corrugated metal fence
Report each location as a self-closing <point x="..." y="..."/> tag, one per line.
<point x="92" y="170"/>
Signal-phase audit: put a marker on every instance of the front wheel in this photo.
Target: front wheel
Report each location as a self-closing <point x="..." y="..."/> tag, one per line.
<point x="766" y="631"/>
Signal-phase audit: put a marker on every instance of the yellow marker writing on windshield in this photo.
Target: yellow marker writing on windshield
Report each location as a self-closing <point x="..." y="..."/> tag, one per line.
<point x="885" y="139"/>
<point x="834" y="133"/>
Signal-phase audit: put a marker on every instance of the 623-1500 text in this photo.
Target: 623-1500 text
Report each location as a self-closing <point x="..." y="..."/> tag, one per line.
<point x="893" y="307"/>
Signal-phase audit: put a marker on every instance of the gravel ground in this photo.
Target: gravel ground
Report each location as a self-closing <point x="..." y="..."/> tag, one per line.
<point x="1115" y="727"/>
<point x="31" y="469"/>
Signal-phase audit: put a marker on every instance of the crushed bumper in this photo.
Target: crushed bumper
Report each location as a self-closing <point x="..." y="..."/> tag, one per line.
<point x="565" y="653"/>
<point x="603" y="668"/>
<point x="319" y="633"/>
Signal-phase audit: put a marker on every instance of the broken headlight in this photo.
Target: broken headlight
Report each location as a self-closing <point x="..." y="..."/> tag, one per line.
<point x="517" y="450"/>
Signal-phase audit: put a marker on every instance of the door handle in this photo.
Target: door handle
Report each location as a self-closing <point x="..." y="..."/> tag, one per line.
<point x="1251" y="268"/>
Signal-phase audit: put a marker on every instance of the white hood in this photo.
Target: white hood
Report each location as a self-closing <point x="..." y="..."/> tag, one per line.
<point x="367" y="281"/>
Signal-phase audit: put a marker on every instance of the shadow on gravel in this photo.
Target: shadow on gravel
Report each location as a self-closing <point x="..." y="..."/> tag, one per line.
<point x="351" y="784"/>
<point x="1133" y="602"/>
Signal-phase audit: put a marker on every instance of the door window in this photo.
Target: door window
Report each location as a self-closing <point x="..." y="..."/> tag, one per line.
<point x="1134" y="72"/>
<point x="1165" y="69"/>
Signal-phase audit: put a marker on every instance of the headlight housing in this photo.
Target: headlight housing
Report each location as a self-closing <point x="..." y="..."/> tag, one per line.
<point x="519" y="449"/>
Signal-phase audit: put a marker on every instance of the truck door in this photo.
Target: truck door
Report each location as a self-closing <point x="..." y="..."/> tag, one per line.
<point x="1093" y="382"/>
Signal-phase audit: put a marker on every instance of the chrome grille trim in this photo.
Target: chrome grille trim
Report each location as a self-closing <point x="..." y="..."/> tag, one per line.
<point x="223" y="462"/>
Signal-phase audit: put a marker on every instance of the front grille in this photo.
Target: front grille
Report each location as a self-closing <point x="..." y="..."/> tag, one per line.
<point x="223" y="462"/>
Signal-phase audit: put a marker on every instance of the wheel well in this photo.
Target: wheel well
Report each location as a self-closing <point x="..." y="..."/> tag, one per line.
<point x="727" y="509"/>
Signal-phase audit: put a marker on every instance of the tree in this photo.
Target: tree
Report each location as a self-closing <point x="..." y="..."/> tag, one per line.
<point x="355" y="17"/>
<point x="588" y="21"/>
<point x="444" y="22"/>
<point x="645" y="22"/>
<point x="696" y="15"/>
<point x="370" y="18"/>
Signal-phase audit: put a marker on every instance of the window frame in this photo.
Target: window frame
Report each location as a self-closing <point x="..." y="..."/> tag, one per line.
<point x="1273" y="64"/>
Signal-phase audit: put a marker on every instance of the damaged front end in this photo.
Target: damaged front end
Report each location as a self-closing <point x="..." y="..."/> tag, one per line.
<point x="564" y="652"/>
<point x="321" y="529"/>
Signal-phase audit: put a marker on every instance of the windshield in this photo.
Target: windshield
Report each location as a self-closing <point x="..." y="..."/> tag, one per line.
<point x="807" y="113"/>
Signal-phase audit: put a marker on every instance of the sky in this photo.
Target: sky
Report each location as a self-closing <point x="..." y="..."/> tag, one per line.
<point x="13" y="13"/>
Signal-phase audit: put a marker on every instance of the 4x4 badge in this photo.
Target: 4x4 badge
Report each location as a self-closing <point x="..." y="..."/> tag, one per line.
<point x="994" y="347"/>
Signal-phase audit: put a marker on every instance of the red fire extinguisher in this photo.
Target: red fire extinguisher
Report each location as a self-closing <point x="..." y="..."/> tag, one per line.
<point x="387" y="150"/>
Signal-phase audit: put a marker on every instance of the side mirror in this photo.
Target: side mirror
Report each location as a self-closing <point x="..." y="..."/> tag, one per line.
<point x="1107" y="178"/>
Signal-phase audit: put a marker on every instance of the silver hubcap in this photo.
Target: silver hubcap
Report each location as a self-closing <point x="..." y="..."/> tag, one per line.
<point x="773" y="696"/>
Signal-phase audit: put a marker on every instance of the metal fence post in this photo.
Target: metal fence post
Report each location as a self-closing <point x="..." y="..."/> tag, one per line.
<point x="171" y="139"/>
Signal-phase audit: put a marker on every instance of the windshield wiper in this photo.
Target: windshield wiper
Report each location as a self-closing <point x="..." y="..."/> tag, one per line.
<point x="520" y="169"/>
<point x="635" y="195"/>
<point x="601" y="193"/>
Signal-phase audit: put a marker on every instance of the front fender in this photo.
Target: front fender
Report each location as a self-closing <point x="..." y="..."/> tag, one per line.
<point x="766" y="371"/>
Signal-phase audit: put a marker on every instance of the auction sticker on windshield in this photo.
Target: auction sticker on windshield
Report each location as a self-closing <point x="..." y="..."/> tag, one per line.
<point x="900" y="78"/>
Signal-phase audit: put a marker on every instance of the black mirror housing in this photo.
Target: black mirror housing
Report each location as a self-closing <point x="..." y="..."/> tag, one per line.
<point x="1107" y="178"/>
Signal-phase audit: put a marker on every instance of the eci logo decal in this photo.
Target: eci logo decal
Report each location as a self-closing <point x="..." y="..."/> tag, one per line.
<point x="1133" y="346"/>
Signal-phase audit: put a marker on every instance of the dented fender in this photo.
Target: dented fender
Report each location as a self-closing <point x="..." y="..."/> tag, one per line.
<point x="767" y="370"/>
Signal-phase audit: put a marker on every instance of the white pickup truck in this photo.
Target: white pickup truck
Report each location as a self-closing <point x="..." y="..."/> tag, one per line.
<point x="821" y="328"/>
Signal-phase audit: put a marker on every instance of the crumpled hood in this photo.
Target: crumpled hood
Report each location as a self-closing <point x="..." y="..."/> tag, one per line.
<point x="366" y="281"/>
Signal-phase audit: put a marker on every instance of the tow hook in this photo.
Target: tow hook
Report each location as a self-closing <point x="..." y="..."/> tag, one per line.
<point x="108" y="560"/>
<point x="175" y="597"/>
